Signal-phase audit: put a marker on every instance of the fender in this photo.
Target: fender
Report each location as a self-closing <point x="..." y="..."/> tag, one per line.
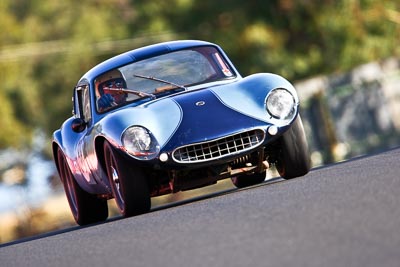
<point x="249" y="94"/>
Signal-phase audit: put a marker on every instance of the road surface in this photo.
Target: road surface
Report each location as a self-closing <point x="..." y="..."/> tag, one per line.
<point x="346" y="214"/>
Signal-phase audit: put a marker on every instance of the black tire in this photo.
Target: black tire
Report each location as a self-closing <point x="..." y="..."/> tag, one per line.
<point x="128" y="184"/>
<point x="294" y="157"/>
<point x="86" y="208"/>
<point x="246" y="180"/>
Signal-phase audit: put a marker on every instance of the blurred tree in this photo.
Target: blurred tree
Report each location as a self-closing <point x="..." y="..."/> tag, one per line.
<point x="45" y="45"/>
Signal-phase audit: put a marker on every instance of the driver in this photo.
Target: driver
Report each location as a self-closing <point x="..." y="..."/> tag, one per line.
<point x="106" y="97"/>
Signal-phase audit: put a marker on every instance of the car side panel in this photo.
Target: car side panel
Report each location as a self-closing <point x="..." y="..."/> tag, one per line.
<point x="70" y="143"/>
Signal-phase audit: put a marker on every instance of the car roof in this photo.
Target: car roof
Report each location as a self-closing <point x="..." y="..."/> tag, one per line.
<point x="141" y="53"/>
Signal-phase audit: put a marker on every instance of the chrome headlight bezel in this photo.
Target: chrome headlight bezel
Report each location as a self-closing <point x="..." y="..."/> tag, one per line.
<point x="281" y="104"/>
<point x="140" y="143"/>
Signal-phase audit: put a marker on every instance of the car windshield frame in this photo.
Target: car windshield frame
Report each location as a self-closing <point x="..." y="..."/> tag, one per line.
<point x="160" y="76"/>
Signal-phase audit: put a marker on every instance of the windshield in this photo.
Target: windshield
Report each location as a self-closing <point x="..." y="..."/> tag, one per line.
<point x="159" y="76"/>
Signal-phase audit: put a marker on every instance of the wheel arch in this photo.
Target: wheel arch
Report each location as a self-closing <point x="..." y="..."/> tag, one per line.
<point x="55" y="148"/>
<point x="99" y="149"/>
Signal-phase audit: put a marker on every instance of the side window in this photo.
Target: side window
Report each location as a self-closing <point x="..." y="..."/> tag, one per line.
<point x="83" y="98"/>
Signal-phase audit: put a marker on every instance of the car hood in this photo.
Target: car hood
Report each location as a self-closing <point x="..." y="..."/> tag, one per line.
<point x="200" y="115"/>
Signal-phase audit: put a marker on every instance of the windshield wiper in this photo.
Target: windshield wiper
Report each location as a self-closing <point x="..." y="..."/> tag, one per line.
<point x="130" y="91"/>
<point x="160" y="80"/>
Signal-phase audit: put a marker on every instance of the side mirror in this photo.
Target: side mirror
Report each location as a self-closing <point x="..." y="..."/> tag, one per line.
<point x="78" y="125"/>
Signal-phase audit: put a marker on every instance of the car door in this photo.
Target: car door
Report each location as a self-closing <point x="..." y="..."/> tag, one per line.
<point x="85" y="144"/>
<point x="89" y="164"/>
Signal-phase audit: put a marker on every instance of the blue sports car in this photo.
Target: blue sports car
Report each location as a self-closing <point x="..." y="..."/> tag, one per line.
<point x="170" y="117"/>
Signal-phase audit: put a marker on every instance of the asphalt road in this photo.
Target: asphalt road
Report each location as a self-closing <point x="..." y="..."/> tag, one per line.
<point x="346" y="214"/>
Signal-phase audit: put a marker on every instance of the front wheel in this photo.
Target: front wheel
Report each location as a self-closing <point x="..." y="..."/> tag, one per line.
<point x="294" y="157"/>
<point x="86" y="208"/>
<point x="128" y="183"/>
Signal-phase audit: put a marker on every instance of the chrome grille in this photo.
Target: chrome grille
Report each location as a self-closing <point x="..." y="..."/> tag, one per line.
<point x="219" y="148"/>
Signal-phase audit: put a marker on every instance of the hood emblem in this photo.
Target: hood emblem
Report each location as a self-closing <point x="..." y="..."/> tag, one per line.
<point x="200" y="103"/>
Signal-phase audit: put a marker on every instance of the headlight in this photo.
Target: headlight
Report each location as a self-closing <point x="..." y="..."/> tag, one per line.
<point x="140" y="143"/>
<point x="281" y="104"/>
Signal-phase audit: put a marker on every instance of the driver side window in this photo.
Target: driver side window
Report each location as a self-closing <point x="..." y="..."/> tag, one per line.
<point x="83" y="97"/>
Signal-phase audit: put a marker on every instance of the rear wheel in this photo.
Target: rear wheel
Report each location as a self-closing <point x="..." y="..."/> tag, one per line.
<point x="245" y="180"/>
<point x="294" y="157"/>
<point x="86" y="208"/>
<point x="128" y="183"/>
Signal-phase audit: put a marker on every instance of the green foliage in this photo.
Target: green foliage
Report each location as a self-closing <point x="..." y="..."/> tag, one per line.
<point x="13" y="132"/>
<point x="45" y="45"/>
